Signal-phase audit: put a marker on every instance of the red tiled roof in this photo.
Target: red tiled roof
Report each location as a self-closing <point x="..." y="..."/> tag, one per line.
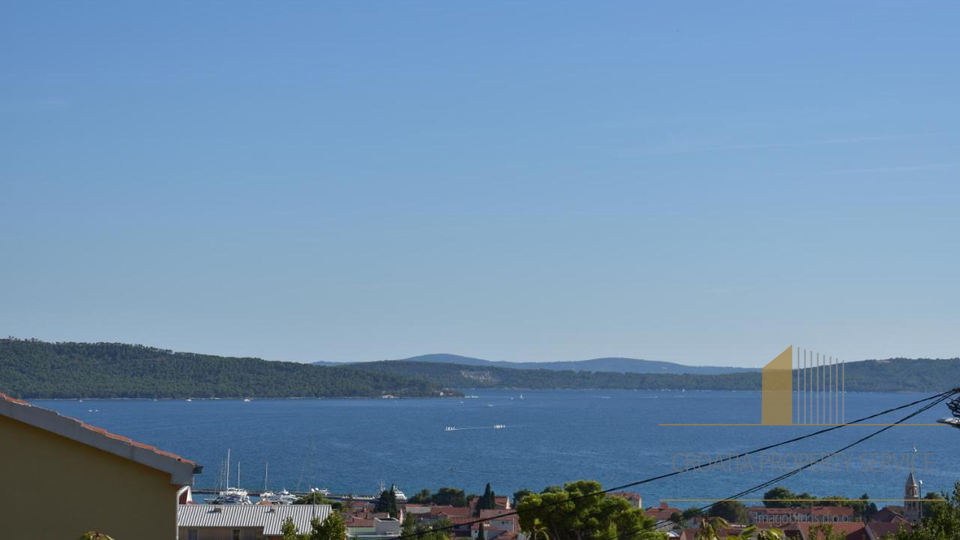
<point x="662" y="512"/>
<point x="883" y="529"/>
<point x="95" y="429"/>
<point x="852" y="531"/>
<point x="450" y="511"/>
<point x="496" y="513"/>
<point x="813" y="510"/>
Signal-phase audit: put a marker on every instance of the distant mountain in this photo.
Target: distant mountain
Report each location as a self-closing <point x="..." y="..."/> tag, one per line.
<point x="37" y="369"/>
<point x="327" y="363"/>
<point x="617" y="365"/>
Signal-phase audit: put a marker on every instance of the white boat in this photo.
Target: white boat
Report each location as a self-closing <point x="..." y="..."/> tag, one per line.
<point x="401" y="497"/>
<point x="246" y="400"/>
<point x="323" y="491"/>
<point x="449" y="428"/>
<point x="285" y="497"/>
<point x="521" y="395"/>
<point x="499" y="426"/>
<point x="231" y="495"/>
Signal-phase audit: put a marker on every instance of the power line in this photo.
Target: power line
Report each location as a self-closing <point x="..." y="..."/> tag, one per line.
<point x="940" y="397"/>
<point x="825" y="456"/>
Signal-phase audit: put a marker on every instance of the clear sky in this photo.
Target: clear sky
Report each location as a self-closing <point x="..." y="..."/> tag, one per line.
<point x="703" y="182"/>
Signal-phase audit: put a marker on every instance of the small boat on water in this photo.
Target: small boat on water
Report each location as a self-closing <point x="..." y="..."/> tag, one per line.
<point x="499" y="426"/>
<point x="449" y="428"/>
<point x="285" y="497"/>
<point x="246" y="400"/>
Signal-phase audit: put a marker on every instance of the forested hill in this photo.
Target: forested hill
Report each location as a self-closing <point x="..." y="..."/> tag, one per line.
<point x="461" y="376"/>
<point x="37" y="369"/>
<point x="895" y="375"/>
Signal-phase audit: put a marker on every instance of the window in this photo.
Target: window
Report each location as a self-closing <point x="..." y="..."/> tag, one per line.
<point x="236" y="534"/>
<point x="192" y="534"/>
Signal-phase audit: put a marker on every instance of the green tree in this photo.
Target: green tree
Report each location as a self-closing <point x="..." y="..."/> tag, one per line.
<point x="94" y="535"/>
<point x="519" y="495"/>
<point x="450" y="497"/>
<point x="487" y="500"/>
<point x="732" y="511"/>
<point x="481" y="534"/>
<point x="288" y="530"/>
<point x="332" y="528"/>
<point x="755" y="533"/>
<point x="438" y="531"/>
<point x="928" y="506"/>
<point x="942" y="522"/>
<point x="867" y="509"/>
<point x="409" y="527"/>
<point x="312" y="498"/>
<point x="711" y="528"/>
<point x="779" y="497"/>
<point x="387" y="502"/>
<point x="579" y="511"/>
<point x="422" y="497"/>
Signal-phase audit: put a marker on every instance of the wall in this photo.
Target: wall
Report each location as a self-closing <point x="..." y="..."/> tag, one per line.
<point x="57" y="488"/>
<point x="223" y="533"/>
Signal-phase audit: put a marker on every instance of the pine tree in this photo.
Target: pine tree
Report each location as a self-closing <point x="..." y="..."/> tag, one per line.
<point x="387" y="502"/>
<point x="487" y="500"/>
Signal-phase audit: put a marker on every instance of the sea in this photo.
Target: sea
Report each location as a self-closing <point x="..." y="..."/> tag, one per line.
<point x="532" y="439"/>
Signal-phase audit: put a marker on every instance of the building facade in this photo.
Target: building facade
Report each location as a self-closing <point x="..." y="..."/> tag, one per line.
<point x="98" y="480"/>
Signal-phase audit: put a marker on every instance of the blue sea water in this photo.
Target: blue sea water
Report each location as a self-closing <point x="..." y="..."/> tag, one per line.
<point x="550" y="437"/>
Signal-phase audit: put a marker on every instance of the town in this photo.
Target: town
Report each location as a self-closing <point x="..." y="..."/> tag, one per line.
<point x="153" y="498"/>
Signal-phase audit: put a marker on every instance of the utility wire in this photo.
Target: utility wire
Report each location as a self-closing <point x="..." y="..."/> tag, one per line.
<point x="825" y="456"/>
<point x="940" y="397"/>
<point x="799" y="470"/>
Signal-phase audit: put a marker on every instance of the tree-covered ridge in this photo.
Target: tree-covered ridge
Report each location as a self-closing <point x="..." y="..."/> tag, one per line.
<point x="37" y="369"/>
<point x="460" y="376"/>
<point x="896" y="375"/>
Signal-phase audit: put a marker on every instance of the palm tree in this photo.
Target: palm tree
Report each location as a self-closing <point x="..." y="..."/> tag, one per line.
<point x="771" y="534"/>
<point x="753" y="533"/>
<point x="539" y="531"/>
<point x="710" y="528"/>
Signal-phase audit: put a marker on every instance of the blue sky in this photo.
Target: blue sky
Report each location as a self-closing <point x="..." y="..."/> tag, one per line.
<point x="698" y="182"/>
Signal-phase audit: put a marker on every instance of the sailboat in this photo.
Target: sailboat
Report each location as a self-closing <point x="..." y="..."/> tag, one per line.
<point x="231" y="495"/>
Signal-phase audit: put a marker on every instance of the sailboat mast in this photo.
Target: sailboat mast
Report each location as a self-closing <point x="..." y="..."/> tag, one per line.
<point x="228" y="467"/>
<point x="266" y="465"/>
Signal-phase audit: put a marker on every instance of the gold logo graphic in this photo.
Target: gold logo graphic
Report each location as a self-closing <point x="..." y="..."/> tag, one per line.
<point x="800" y="387"/>
<point x="778" y="390"/>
